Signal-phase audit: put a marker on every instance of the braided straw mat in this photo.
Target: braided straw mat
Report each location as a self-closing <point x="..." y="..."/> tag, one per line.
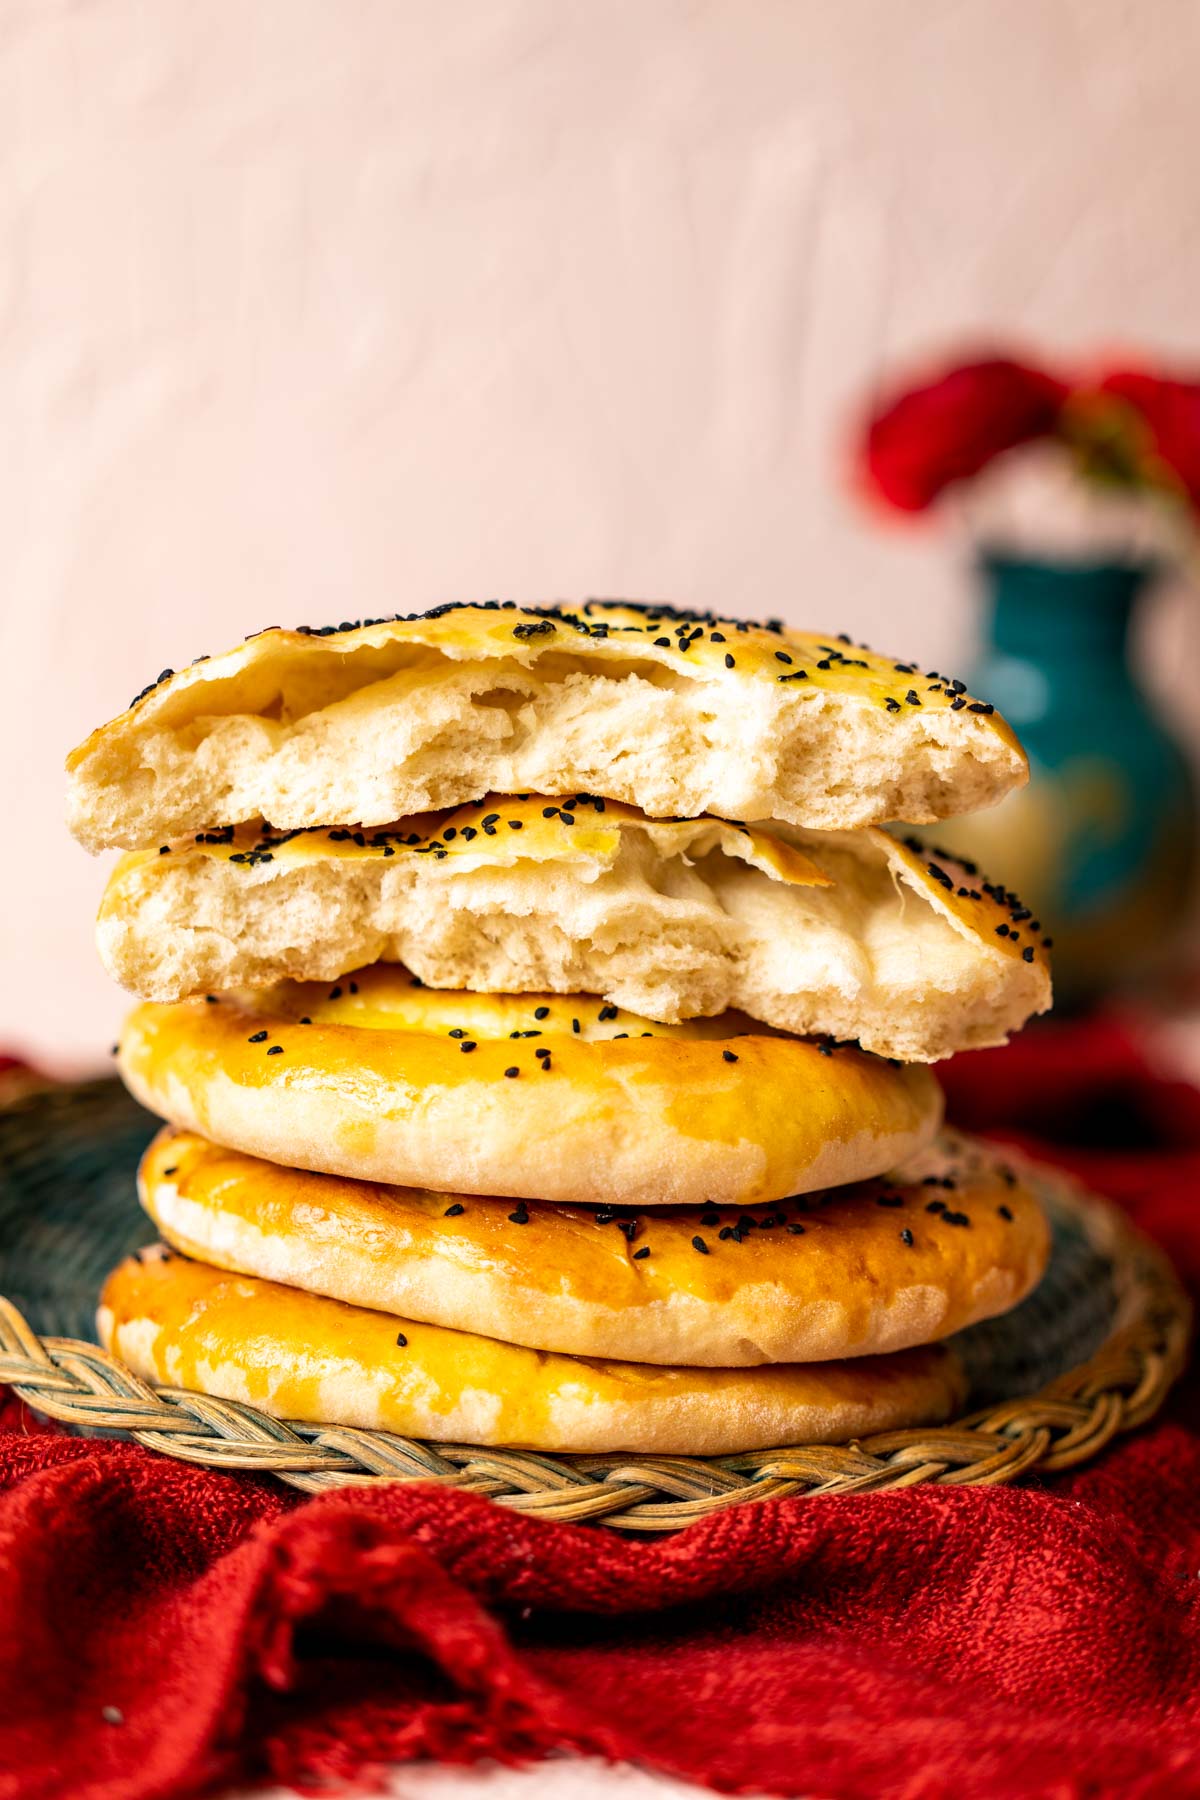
<point x="1091" y="1353"/>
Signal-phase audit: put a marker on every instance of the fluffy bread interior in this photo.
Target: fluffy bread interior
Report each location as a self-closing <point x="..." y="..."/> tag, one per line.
<point x="375" y="723"/>
<point x="851" y="935"/>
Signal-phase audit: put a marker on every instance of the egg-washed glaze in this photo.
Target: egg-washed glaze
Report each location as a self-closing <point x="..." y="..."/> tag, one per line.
<point x="537" y="1096"/>
<point x="954" y="1236"/>
<point x="300" y="1356"/>
<point x="755" y="697"/>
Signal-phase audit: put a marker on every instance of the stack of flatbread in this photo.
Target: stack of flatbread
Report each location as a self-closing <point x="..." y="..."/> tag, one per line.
<point x="541" y="1018"/>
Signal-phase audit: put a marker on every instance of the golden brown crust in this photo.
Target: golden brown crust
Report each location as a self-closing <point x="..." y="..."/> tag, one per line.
<point x="953" y="1237"/>
<point x="303" y="1357"/>
<point x="851" y="934"/>
<point x="405" y="1085"/>
<point x="367" y="725"/>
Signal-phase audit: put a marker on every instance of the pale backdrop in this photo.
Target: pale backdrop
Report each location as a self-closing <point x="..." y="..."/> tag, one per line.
<point x="314" y="310"/>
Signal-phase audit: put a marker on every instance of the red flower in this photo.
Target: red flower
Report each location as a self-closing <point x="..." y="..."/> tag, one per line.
<point x="1169" y="409"/>
<point x="947" y="430"/>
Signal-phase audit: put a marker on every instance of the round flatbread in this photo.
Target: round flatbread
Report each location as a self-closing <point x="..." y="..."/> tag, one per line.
<point x="955" y="1236"/>
<point x="534" y="1096"/>
<point x="680" y="714"/>
<point x="301" y="1356"/>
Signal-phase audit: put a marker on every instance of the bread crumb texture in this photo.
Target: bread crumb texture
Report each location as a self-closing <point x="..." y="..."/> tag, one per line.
<point x="857" y="936"/>
<point x="680" y="714"/>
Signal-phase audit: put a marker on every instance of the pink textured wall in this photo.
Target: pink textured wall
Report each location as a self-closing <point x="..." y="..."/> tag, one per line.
<point x="309" y="310"/>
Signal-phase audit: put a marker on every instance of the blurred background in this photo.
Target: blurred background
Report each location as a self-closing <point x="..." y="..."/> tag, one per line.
<point x="314" y="311"/>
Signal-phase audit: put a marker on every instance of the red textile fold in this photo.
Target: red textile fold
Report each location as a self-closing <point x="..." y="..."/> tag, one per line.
<point x="164" y="1629"/>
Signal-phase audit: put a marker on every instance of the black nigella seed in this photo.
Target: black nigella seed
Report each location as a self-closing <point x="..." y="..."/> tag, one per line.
<point x="489" y="819"/>
<point x="401" y="1340"/>
<point x="452" y="1212"/>
<point x="575" y="1025"/>
<point x="516" y="824"/>
<point x="663" y="643"/>
<point x="520" y="1217"/>
<point x="913" y="698"/>
<point x="260" y="1037"/>
<point x="717" y="637"/>
<point x="541" y="1012"/>
<point x="906" y="1236"/>
<point x="513" y="1072"/>
<point x="211" y="999"/>
<point x="1027" y="952"/>
<point x="567" y="818"/>
<point x="936" y="1206"/>
<point x="164" y="849"/>
<point x="782" y="656"/>
<point x="456" y="1031"/>
<point x="335" y="993"/>
<point x="699" y="1244"/>
<point x="729" y="1056"/>
<point x="467" y="1044"/>
<point x="796" y="1230"/>
<point x="639" y="1254"/>
<point x="1005" y="1212"/>
<point x="305" y="1020"/>
<point x="729" y="661"/>
<point x="275" y="1050"/>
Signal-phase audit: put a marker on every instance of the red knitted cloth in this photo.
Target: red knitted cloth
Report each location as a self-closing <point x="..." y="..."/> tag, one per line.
<point x="1035" y="1640"/>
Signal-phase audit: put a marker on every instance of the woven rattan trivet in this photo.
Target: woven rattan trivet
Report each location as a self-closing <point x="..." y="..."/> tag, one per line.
<point x="1091" y="1353"/>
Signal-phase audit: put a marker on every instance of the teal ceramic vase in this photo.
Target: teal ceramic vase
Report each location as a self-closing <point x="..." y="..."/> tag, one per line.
<point x="1102" y="843"/>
